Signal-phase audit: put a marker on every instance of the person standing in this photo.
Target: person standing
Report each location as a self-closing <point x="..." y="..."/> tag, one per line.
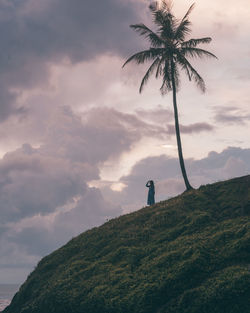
<point x="151" y="192"/>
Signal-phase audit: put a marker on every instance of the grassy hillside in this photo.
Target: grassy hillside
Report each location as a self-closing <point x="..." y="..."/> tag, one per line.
<point x="189" y="254"/>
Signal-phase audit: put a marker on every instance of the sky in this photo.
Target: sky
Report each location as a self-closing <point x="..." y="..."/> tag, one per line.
<point x="78" y="141"/>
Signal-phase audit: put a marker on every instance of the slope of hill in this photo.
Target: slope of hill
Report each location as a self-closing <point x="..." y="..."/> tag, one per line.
<point x="189" y="254"/>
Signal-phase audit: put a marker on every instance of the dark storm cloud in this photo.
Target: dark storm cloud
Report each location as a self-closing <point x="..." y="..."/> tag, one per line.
<point x="164" y="117"/>
<point x="7" y="103"/>
<point x="99" y="134"/>
<point x="231" y="115"/>
<point x="119" y="130"/>
<point x="77" y="29"/>
<point x="192" y="128"/>
<point x="40" y="239"/>
<point x="34" y="240"/>
<point x="91" y="209"/>
<point x="34" y="184"/>
<point x="34" y="34"/>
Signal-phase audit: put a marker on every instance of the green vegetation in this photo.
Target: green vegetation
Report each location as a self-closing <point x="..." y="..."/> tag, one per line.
<point x="189" y="254"/>
<point x="169" y="53"/>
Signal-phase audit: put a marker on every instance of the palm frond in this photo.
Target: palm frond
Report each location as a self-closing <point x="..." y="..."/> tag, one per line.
<point x="166" y="43"/>
<point x="168" y="30"/>
<point x="160" y="67"/>
<point x="187" y="72"/>
<point x="145" y="55"/>
<point x="198" y="79"/>
<point x="186" y="69"/>
<point x="192" y="43"/>
<point x="166" y="5"/>
<point x="165" y="22"/>
<point x="143" y="30"/>
<point x="188" y="12"/>
<point x="165" y="88"/>
<point x="191" y="72"/>
<point x="148" y="73"/>
<point x="166" y="82"/>
<point x="163" y="18"/>
<point x="183" y="28"/>
<point x="197" y="53"/>
<point x="159" y="18"/>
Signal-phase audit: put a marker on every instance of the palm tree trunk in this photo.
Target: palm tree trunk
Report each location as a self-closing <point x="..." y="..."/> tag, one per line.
<point x="177" y="130"/>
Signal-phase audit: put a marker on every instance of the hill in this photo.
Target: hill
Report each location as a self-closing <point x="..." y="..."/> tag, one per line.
<point x="189" y="254"/>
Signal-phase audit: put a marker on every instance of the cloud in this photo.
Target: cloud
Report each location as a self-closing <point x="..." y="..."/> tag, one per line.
<point x="95" y="135"/>
<point x="40" y="180"/>
<point x="192" y="128"/>
<point x="158" y="115"/>
<point x="44" y="193"/>
<point x="231" y="115"/>
<point x="37" y="232"/>
<point x="60" y="54"/>
<point x="34" y="36"/>
<point x="24" y="242"/>
<point x="39" y="235"/>
<point x="32" y="183"/>
<point x="90" y="136"/>
<point x="165" y="171"/>
<point x="164" y="117"/>
<point x="76" y="29"/>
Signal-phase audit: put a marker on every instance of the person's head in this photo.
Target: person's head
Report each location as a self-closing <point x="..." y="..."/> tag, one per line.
<point x="151" y="182"/>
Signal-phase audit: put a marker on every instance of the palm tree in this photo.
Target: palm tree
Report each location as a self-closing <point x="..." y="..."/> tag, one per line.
<point x="169" y="50"/>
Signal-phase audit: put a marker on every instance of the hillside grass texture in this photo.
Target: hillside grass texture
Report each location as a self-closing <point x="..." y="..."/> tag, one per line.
<point x="189" y="254"/>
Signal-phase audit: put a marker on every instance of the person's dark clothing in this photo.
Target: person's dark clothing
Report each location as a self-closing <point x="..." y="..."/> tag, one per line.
<point x="151" y="193"/>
